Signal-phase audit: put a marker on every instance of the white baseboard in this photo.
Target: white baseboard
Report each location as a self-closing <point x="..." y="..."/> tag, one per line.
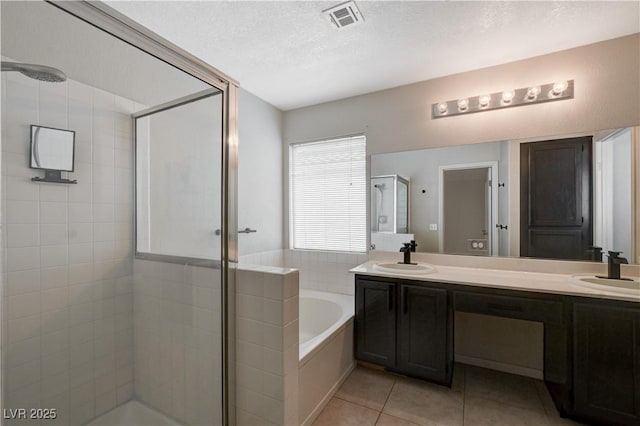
<point x="323" y="403"/>
<point x="500" y="366"/>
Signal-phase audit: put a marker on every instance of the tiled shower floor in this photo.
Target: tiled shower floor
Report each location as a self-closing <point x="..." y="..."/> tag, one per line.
<point x="477" y="397"/>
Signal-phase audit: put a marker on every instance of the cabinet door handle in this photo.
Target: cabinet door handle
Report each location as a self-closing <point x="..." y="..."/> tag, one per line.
<point x="389" y="300"/>
<point x="405" y="300"/>
<point x="501" y="307"/>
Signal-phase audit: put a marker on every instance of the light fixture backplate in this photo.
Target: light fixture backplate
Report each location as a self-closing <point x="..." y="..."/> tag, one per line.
<point x="520" y="98"/>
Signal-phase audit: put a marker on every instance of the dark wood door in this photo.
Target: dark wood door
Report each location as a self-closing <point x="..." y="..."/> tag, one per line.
<point x="556" y="198"/>
<point x="375" y="322"/>
<point x="423" y="334"/>
<point x="607" y="364"/>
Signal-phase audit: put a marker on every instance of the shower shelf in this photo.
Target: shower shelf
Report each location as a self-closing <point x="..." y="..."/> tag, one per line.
<point x="67" y="181"/>
<point x="54" y="176"/>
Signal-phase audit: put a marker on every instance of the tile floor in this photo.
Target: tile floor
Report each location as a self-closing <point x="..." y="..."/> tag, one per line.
<point x="477" y="397"/>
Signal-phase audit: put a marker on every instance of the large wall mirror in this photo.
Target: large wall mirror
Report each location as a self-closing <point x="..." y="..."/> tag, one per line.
<point x="562" y="197"/>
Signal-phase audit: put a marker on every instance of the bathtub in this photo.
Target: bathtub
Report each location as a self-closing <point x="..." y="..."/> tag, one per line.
<point x="326" y="349"/>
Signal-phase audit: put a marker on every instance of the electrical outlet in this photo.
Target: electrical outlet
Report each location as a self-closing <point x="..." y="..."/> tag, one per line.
<point x="477" y="244"/>
<point x="433" y="227"/>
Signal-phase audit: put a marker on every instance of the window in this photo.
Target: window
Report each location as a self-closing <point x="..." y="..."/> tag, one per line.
<point x="328" y="195"/>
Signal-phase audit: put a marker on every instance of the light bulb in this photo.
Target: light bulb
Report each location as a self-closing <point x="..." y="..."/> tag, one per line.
<point x="463" y="104"/>
<point x="558" y="88"/>
<point x="442" y="107"/>
<point x="533" y="92"/>
<point x="484" y="100"/>
<point x="507" y="96"/>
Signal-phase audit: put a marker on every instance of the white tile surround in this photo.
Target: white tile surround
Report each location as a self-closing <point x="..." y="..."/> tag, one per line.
<point x="266" y="314"/>
<point x="324" y="271"/>
<point x="177" y="339"/>
<point x="67" y="285"/>
<point x="266" y="345"/>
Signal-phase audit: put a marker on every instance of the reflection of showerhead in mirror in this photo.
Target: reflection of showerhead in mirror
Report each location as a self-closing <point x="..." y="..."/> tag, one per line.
<point x="37" y="72"/>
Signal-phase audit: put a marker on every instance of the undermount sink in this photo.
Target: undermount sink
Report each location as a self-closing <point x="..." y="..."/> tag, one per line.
<point x="404" y="268"/>
<point x="616" y="286"/>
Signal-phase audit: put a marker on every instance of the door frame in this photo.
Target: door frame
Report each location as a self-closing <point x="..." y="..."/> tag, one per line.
<point x="492" y="231"/>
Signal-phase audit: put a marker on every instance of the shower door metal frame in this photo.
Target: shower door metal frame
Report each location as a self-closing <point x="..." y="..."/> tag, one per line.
<point x="120" y="26"/>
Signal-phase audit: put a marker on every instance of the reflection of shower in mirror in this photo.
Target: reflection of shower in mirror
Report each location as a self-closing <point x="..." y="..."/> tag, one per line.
<point x="389" y="211"/>
<point x="379" y="216"/>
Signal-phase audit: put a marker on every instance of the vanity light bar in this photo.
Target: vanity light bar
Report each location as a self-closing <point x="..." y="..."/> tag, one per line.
<point x="508" y="98"/>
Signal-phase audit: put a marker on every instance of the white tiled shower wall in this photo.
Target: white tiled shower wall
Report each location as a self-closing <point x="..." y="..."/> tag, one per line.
<point x="178" y="364"/>
<point x="267" y="350"/>
<point x="67" y="285"/>
<point x="324" y="271"/>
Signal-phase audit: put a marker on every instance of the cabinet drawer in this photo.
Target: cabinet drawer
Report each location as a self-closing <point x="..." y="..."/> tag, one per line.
<point x="509" y="307"/>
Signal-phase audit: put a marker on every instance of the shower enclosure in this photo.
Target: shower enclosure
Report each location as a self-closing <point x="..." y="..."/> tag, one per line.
<point x="390" y="204"/>
<point x="117" y="275"/>
<point x="389" y="212"/>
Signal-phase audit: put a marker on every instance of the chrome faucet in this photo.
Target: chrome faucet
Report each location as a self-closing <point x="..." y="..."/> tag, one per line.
<point x="406" y="249"/>
<point x="613" y="266"/>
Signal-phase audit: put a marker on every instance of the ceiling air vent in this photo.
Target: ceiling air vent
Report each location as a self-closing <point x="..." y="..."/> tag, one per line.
<point x="344" y="14"/>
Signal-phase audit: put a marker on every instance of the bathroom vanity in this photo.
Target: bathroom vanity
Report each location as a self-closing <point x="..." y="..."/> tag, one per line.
<point x="591" y="337"/>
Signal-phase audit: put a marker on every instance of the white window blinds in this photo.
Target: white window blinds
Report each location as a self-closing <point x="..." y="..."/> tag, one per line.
<point x="328" y="195"/>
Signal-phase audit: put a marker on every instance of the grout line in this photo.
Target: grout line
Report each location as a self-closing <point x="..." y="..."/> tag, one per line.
<point x="354" y="403"/>
<point x="395" y="380"/>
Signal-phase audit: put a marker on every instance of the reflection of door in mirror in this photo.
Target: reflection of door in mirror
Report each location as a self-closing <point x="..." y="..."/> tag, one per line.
<point x="613" y="202"/>
<point x="556" y="199"/>
<point x="467" y="216"/>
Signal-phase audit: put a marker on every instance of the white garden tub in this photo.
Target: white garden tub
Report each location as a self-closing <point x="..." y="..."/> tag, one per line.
<point x="326" y="349"/>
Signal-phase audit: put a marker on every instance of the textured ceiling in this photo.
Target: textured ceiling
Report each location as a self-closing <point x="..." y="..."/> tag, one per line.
<point x="289" y="55"/>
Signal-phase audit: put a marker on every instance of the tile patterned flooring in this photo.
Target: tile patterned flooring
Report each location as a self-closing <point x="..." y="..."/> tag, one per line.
<point x="478" y="397"/>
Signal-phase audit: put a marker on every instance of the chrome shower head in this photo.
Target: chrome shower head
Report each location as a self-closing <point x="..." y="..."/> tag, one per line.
<point x="38" y="72"/>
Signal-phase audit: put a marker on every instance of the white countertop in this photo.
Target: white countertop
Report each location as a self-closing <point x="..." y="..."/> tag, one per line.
<point x="504" y="279"/>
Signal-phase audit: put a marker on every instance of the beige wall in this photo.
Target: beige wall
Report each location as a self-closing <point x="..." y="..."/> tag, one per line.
<point x="607" y="95"/>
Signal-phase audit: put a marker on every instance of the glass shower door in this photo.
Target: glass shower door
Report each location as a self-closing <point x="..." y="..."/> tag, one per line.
<point x="177" y="297"/>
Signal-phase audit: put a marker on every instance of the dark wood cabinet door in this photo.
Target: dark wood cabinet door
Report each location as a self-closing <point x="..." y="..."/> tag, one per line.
<point x="607" y="364"/>
<point x="556" y="198"/>
<point x="375" y="322"/>
<point x="423" y="334"/>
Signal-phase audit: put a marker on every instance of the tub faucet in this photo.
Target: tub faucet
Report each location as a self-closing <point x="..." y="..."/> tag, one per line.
<point x="406" y="249"/>
<point x="613" y="269"/>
